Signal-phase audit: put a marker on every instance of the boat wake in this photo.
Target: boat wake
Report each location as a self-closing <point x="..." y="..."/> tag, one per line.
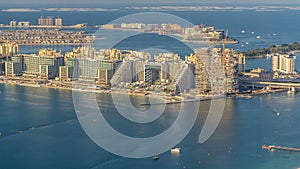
<point x="25" y="130"/>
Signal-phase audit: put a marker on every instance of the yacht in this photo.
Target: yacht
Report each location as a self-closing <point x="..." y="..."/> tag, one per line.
<point x="155" y="158"/>
<point x="175" y="150"/>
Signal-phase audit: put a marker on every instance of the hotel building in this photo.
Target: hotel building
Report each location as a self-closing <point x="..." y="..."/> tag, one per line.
<point x="8" y="49"/>
<point x="284" y="63"/>
<point x="46" y="21"/>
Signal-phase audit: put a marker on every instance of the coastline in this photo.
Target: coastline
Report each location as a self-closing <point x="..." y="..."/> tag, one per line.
<point x="164" y="98"/>
<point x="177" y="35"/>
<point x="101" y="91"/>
<point x="256" y="57"/>
<point x="266" y="56"/>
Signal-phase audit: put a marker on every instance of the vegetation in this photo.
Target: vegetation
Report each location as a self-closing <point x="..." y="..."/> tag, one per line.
<point x="284" y="48"/>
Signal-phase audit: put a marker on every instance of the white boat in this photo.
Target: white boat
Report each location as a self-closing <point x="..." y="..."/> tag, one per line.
<point x="175" y="150"/>
<point x="252" y="32"/>
<point x="278" y="114"/>
<point x="248" y="96"/>
<point x="247" y="43"/>
<point x="243" y="31"/>
<point x="155" y="158"/>
<point x="257" y="37"/>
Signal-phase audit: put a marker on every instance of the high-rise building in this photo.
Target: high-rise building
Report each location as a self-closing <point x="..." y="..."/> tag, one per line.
<point x="241" y="63"/>
<point x="47" y="71"/>
<point x="13" y="23"/>
<point x="46" y="21"/>
<point x="275" y="62"/>
<point x="2" y="68"/>
<point x="177" y="75"/>
<point x="65" y="73"/>
<point x="12" y="69"/>
<point x="229" y="60"/>
<point x="9" y="49"/>
<point x="89" y="69"/>
<point x="104" y="76"/>
<point x="214" y="65"/>
<point x="58" y="22"/>
<point x="202" y="78"/>
<point x="284" y="63"/>
<point x="45" y="66"/>
<point x="152" y="73"/>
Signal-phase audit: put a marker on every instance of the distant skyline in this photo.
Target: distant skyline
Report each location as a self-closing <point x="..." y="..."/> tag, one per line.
<point x="35" y="3"/>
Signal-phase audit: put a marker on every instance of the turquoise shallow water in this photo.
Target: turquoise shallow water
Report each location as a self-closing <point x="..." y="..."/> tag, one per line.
<point x="58" y="141"/>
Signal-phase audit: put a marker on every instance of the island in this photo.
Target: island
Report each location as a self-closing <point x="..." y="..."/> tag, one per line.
<point x="266" y="52"/>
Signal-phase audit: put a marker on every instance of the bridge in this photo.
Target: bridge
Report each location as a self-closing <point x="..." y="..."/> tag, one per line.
<point x="280" y="84"/>
<point x="292" y="85"/>
<point x="295" y="51"/>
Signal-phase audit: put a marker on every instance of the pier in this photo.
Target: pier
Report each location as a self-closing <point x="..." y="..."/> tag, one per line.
<point x="280" y="148"/>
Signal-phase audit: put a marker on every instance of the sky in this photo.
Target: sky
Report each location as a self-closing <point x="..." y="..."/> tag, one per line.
<point x="26" y="3"/>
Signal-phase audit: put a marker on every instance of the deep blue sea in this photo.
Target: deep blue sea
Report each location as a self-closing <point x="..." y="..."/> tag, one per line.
<point x="57" y="141"/>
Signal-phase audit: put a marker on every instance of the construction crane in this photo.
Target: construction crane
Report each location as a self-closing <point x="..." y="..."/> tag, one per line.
<point x="225" y="40"/>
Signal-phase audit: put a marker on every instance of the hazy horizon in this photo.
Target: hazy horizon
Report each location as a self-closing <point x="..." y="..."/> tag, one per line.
<point x="120" y="3"/>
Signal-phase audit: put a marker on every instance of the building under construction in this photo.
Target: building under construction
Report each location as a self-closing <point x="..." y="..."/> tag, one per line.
<point x="216" y="69"/>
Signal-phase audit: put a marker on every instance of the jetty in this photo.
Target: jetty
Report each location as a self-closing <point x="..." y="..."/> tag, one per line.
<point x="280" y="148"/>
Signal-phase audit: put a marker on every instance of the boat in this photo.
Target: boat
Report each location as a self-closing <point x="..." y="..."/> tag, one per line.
<point x="248" y="96"/>
<point x="247" y="43"/>
<point x="281" y="148"/>
<point x="175" y="150"/>
<point x="155" y="158"/>
<point x="278" y="114"/>
<point x="244" y="96"/>
<point x="257" y="37"/>
<point x="252" y="32"/>
<point x="243" y="31"/>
